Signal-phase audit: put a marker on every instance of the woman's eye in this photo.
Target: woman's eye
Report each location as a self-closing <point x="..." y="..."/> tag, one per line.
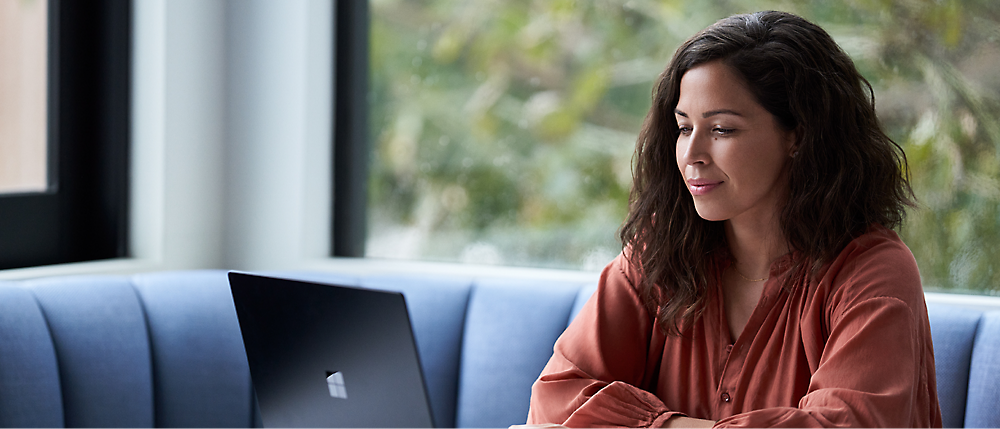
<point x="723" y="131"/>
<point x="684" y="130"/>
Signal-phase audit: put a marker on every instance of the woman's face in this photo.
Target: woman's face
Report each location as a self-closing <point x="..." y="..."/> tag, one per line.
<point x="731" y="151"/>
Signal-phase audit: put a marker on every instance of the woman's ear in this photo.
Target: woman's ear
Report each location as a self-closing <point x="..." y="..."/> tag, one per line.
<point x="793" y="142"/>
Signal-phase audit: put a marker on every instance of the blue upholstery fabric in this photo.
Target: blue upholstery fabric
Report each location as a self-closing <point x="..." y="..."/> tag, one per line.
<point x="437" y="312"/>
<point x="509" y="331"/>
<point x="200" y="371"/>
<point x="983" y="406"/>
<point x="953" y="330"/>
<point x="99" y="332"/>
<point x="581" y="298"/>
<point x="316" y="277"/>
<point x="29" y="374"/>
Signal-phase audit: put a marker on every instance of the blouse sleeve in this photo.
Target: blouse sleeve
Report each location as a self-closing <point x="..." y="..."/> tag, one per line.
<point x="599" y="360"/>
<point x="877" y="367"/>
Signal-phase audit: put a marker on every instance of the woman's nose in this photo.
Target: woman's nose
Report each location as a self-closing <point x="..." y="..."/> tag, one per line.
<point x="694" y="148"/>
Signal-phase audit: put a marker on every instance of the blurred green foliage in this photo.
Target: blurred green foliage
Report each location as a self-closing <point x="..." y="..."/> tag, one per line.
<point x="503" y="131"/>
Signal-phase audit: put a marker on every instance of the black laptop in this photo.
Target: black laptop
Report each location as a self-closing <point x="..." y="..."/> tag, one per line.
<point x="325" y="355"/>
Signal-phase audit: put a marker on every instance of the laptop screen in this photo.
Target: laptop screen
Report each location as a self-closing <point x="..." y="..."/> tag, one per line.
<point x="325" y="355"/>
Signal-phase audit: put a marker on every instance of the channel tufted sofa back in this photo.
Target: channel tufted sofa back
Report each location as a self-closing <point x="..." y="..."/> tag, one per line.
<point x="164" y="349"/>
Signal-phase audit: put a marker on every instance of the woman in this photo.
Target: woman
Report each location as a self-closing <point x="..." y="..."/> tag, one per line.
<point x="761" y="283"/>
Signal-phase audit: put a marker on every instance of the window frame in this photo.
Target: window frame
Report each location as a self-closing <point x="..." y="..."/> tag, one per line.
<point x="83" y="214"/>
<point x="350" y="130"/>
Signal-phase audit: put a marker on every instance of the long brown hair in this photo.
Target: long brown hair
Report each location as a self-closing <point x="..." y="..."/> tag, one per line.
<point x="846" y="176"/>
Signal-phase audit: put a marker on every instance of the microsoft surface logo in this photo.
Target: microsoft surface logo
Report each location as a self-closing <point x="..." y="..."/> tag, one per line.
<point x="335" y="382"/>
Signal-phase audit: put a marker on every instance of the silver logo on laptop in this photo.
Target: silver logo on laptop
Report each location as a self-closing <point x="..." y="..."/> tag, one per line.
<point x="335" y="382"/>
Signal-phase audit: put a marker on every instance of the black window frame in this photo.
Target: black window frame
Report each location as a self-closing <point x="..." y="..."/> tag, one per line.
<point x="351" y="153"/>
<point x="83" y="215"/>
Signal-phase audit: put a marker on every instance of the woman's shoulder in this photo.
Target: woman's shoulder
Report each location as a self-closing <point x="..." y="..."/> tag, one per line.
<point x="879" y="248"/>
<point x="624" y="270"/>
<point x="875" y="265"/>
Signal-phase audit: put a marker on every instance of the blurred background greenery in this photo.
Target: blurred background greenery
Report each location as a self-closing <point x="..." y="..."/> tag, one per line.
<point x="503" y="130"/>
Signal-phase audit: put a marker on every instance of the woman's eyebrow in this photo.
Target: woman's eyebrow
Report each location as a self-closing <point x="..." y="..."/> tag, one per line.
<point x="710" y="113"/>
<point x="720" y="112"/>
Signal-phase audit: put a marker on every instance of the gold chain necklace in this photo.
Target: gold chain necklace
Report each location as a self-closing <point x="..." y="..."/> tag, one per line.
<point x="745" y="277"/>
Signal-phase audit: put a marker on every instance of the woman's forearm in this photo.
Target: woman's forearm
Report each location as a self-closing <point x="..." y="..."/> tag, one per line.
<point x="688" y="422"/>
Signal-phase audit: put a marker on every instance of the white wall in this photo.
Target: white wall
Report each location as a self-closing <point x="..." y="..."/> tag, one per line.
<point x="233" y="117"/>
<point x="186" y="142"/>
<point x="279" y="148"/>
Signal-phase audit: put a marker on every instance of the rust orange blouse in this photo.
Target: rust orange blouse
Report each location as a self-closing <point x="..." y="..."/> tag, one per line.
<point x="851" y="347"/>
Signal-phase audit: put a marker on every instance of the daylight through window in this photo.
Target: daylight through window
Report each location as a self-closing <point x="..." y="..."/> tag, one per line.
<point x="502" y="132"/>
<point x="23" y="84"/>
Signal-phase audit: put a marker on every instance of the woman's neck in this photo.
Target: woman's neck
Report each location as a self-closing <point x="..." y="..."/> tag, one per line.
<point x="755" y="245"/>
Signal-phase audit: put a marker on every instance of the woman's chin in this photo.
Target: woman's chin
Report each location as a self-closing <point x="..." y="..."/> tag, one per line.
<point x="711" y="215"/>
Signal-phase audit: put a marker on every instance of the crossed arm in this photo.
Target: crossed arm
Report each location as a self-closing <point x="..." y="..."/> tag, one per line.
<point x="672" y="422"/>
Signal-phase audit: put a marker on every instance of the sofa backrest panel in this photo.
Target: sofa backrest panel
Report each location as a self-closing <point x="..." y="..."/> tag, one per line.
<point x="509" y="331"/>
<point x="983" y="406"/>
<point x="953" y="330"/>
<point x="29" y="374"/>
<point x="200" y="373"/>
<point x="101" y="344"/>
<point x="437" y="307"/>
<point x="582" y="297"/>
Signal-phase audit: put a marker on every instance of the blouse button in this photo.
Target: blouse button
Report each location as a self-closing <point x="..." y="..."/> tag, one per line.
<point x="725" y="397"/>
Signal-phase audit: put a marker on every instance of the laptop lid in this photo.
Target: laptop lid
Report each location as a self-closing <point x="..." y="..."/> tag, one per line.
<point x="326" y="355"/>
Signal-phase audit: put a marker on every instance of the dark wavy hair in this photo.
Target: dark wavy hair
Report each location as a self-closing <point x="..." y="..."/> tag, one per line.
<point x="847" y="175"/>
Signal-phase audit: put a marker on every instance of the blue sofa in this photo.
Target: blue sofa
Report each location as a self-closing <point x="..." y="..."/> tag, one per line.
<point x="164" y="349"/>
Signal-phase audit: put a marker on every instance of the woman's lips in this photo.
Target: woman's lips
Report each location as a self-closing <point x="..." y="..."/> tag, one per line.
<point x="702" y="186"/>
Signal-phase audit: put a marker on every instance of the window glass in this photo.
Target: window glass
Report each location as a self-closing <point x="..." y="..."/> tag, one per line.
<point x="23" y="83"/>
<point x="502" y="132"/>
